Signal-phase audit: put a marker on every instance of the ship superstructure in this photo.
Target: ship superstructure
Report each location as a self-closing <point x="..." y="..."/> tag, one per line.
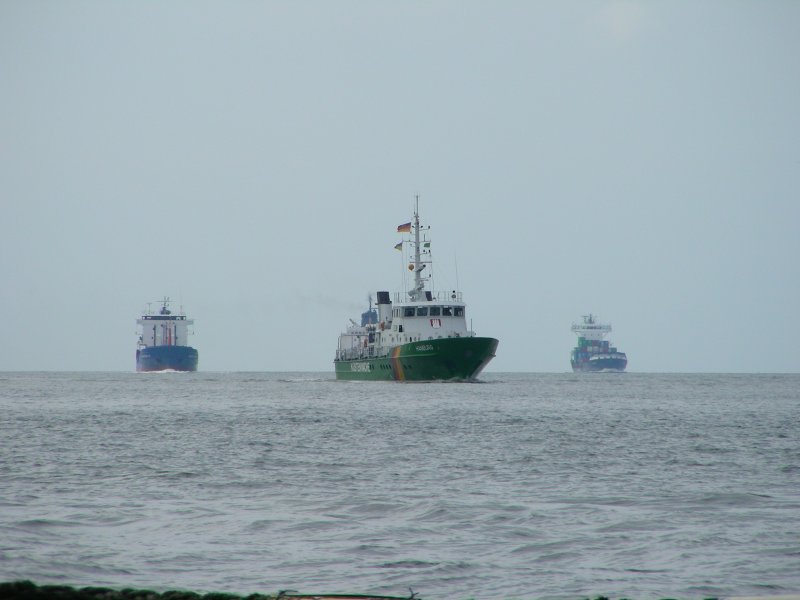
<point x="593" y="352"/>
<point x="418" y="335"/>
<point x="164" y="341"/>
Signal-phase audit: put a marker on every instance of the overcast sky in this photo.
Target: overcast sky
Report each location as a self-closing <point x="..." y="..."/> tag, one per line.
<point x="252" y="160"/>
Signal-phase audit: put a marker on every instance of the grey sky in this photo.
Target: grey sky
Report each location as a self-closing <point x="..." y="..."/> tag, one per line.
<point x="252" y="160"/>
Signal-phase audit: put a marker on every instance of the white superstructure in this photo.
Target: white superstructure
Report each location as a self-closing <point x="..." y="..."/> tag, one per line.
<point x="590" y="329"/>
<point x="164" y="328"/>
<point x="415" y="316"/>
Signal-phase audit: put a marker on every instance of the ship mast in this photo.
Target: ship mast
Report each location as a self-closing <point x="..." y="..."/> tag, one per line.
<point x="416" y="294"/>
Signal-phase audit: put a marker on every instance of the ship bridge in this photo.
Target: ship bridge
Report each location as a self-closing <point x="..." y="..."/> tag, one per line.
<point x="439" y="315"/>
<point x="591" y="329"/>
<point x="164" y="328"/>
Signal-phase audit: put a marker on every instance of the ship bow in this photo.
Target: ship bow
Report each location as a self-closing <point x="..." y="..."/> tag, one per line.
<point x="166" y="358"/>
<point x="447" y="359"/>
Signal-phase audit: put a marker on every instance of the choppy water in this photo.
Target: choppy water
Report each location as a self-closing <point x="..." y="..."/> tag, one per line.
<point x="525" y="486"/>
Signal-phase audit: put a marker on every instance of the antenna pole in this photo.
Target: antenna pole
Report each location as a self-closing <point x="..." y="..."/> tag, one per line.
<point x="417" y="264"/>
<point x="455" y="259"/>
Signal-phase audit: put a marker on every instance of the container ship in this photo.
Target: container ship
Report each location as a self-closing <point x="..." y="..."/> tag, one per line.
<point x="163" y="341"/>
<point x="418" y="335"/>
<point x="593" y="353"/>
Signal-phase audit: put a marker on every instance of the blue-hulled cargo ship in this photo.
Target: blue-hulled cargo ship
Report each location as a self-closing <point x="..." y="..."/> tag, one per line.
<point x="593" y="353"/>
<point x="163" y="341"/>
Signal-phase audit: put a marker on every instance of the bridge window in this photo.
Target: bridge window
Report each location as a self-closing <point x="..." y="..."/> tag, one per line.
<point x="422" y="311"/>
<point x="447" y="311"/>
<point x="459" y="311"/>
<point x="408" y="311"/>
<point x="436" y="311"/>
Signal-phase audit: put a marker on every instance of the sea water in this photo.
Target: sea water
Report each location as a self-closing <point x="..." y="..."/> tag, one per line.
<point x="521" y="486"/>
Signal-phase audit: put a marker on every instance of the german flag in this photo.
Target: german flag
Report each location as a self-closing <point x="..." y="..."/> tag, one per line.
<point x="404" y="228"/>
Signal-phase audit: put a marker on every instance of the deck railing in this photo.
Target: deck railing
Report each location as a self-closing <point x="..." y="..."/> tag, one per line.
<point x="440" y="297"/>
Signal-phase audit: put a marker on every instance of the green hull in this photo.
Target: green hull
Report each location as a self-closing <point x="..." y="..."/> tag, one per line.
<point x="446" y="359"/>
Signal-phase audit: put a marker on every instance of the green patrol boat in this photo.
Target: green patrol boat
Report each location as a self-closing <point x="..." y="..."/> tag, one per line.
<point x="420" y="335"/>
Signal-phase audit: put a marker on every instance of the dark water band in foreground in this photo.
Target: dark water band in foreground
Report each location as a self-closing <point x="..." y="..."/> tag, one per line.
<point x="27" y="590"/>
